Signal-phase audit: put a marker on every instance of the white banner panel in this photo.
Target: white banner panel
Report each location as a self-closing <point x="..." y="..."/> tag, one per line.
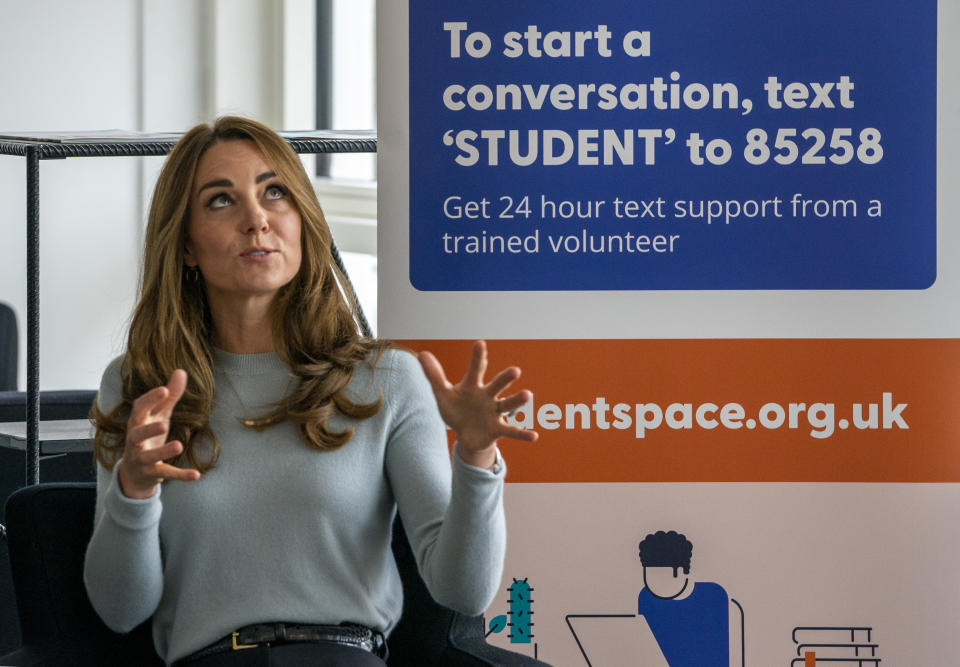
<point x="719" y="237"/>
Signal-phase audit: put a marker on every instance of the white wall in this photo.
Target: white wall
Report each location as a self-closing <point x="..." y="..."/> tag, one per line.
<point x="148" y="65"/>
<point x="62" y="71"/>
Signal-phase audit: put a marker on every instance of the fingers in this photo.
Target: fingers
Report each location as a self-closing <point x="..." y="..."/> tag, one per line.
<point x="138" y="434"/>
<point x="175" y="388"/>
<point x="143" y="406"/>
<point x="514" y="402"/>
<point x="517" y="433"/>
<point x="509" y="429"/>
<point x="167" y="471"/>
<point x="433" y="370"/>
<point x="143" y="468"/>
<point x="478" y="364"/>
<point x="473" y="409"/>
<point x="145" y="452"/>
<point x="154" y="455"/>
<point x="159" y="400"/>
<point x="150" y="413"/>
<point x="503" y="380"/>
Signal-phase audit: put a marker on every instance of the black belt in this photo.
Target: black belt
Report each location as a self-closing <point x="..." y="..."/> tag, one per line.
<point x="252" y="636"/>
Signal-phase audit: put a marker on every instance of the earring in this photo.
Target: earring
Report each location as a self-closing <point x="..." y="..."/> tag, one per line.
<point x="193" y="274"/>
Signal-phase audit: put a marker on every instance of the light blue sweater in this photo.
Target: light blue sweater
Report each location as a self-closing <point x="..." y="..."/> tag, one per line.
<point x="279" y="531"/>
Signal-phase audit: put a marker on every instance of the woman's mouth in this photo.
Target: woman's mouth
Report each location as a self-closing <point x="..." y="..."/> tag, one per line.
<point x="257" y="253"/>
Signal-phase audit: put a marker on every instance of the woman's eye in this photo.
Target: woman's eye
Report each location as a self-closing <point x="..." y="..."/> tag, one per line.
<point x="276" y="192"/>
<point x="218" y="201"/>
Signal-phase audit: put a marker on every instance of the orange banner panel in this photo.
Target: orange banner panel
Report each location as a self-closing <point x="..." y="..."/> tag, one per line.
<point x="757" y="410"/>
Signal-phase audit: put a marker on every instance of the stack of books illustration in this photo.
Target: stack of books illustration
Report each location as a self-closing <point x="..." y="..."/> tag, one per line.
<point x="835" y="645"/>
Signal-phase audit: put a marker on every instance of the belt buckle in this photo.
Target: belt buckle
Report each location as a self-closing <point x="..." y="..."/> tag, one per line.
<point x="377" y="644"/>
<point x="237" y="647"/>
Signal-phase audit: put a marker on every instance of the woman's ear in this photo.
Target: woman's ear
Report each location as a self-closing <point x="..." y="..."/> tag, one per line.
<point x="188" y="257"/>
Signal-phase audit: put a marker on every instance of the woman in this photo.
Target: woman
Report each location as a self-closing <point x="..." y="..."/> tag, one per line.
<point x="252" y="447"/>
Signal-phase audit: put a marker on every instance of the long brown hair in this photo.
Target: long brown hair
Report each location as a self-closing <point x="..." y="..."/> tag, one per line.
<point x="314" y="316"/>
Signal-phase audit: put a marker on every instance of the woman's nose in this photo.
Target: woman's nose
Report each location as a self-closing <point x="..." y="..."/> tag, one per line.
<point x="255" y="219"/>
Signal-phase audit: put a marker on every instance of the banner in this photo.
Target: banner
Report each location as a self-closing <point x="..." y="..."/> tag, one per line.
<point x="716" y="238"/>
<point x="700" y="145"/>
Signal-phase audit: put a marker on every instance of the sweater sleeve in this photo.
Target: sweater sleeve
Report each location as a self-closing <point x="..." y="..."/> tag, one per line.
<point x="453" y="517"/>
<point x="123" y="571"/>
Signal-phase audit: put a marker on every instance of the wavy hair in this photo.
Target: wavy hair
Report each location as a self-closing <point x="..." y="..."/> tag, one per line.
<point x="314" y="316"/>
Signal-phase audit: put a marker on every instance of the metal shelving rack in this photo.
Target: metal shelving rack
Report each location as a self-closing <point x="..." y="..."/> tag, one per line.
<point x="56" y="146"/>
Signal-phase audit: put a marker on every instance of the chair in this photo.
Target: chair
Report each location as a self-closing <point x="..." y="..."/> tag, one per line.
<point x="8" y="348"/>
<point x="54" y="404"/>
<point x="74" y="467"/>
<point x="431" y="634"/>
<point x="49" y="526"/>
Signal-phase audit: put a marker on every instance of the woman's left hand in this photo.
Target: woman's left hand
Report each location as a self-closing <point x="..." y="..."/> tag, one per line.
<point x="475" y="410"/>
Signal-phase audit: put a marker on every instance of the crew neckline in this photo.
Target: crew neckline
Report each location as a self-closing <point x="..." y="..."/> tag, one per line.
<point x="248" y="364"/>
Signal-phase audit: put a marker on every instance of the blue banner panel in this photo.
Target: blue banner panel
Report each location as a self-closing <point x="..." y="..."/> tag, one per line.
<point x="672" y="144"/>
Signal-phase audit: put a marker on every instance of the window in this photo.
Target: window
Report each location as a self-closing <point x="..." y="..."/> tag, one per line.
<point x="346" y="81"/>
<point x="346" y="100"/>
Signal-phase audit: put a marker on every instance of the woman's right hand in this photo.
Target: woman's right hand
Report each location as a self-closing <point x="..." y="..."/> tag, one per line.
<point x="142" y="467"/>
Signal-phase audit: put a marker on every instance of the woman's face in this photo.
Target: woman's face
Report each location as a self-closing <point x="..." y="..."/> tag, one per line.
<point x="243" y="231"/>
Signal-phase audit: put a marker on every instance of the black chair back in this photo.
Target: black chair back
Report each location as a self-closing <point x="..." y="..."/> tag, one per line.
<point x="431" y="634"/>
<point x="54" y="404"/>
<point x="9" y="348"/>
<point x="48" y="527"/>
<point x="74" y="467"/>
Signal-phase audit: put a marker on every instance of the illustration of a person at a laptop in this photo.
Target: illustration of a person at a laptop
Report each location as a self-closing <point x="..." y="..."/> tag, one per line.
<point x="690" y="620"/>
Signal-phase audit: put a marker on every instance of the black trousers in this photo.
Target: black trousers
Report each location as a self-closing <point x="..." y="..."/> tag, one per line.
<point x="300" y="654"/>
